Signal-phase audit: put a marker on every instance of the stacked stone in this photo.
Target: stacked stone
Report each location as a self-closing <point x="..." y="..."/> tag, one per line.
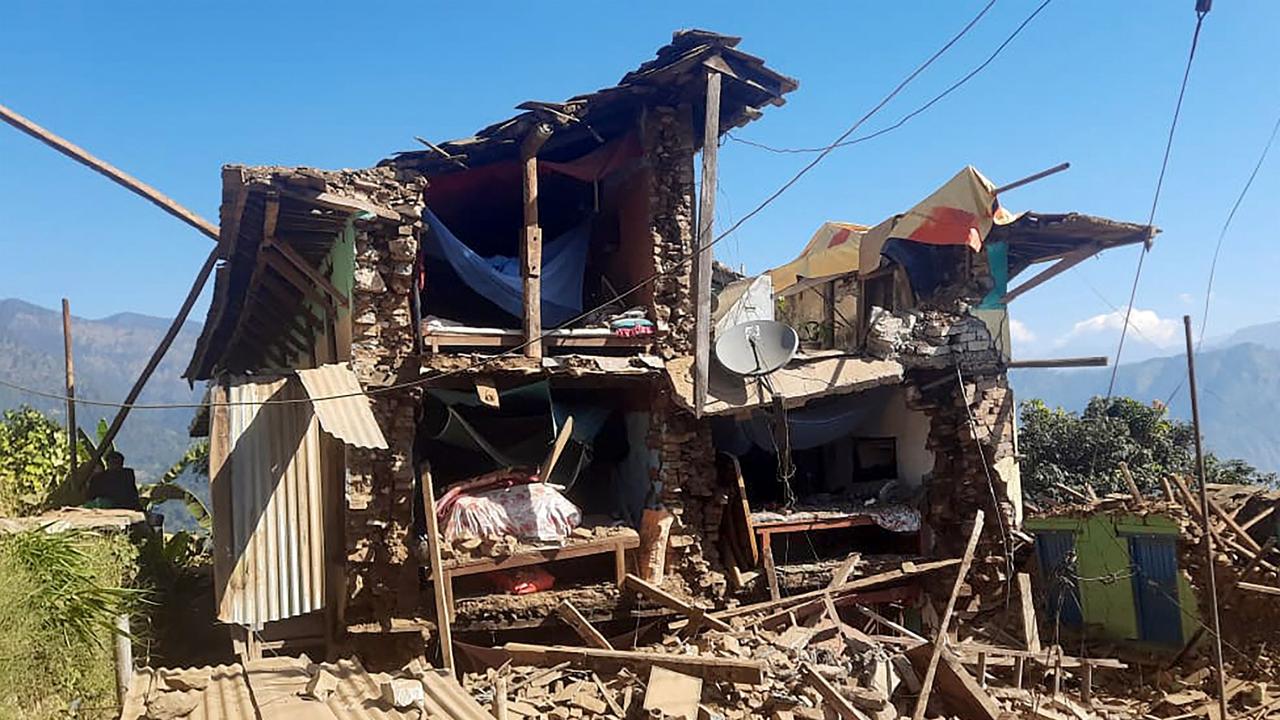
<point x="668" y="146"/>
<point x="686" y="472"/>
<point x="933" y="339"/>
<point x="379" y="497"/>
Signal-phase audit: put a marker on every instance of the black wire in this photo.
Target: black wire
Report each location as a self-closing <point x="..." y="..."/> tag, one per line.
<point x="905" y="118"/>
<point x="1155" y="200"/>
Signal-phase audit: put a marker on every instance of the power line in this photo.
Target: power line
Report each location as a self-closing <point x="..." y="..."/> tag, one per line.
<point x="1222" y="235"/>
<point x="1155" y="200"/>
<point x="905" y="118"/>
<point x="643" y="283"/>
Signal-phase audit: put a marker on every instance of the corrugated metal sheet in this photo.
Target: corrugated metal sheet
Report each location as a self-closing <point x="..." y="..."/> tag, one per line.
<point x="1155" y="588"/>
<point x="346" y="415"/>
<point x="1056" y="553"/>
<point x="276" y="532"/>
<point x="269" y="688"/>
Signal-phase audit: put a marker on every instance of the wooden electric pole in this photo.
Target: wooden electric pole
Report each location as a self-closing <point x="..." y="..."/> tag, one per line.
<point x="71" y="384"/>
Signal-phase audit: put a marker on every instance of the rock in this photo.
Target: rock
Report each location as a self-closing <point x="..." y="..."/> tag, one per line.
<point x="172" y="705"/>
<point x="321" y="685"/>
<point x="403" y="692"/>
<point x="368" y="280"/>
<point x="185" y="680"/>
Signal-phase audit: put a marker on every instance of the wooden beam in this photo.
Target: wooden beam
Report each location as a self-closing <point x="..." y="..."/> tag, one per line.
<point x="706" y="667"/>
<point x="308" y="270"/>
<point x="662" y="597"/>
<point x="299" y="281"/>
<point x="963" y="693"/>
<point x="1030" y="628"/>
<point x="574" y="619"/>
<point x="72" y="486"/>
<point x="1255" y="587"/>
<point x="1258" y="518"/>
<point x="1067" y="262"/>
<point x="117" y="175"/>
<point x="69" y="366"/>
<point x="833" y="697"/>
<point x="438" y="578"/>
<point x="1072" y="362"/>
<point x="531" y="242"/>
<point x="851" y="586"/>
<point x="703" y="254"/>
<point x="1032" y="178"/>
<point x="930" y="673"/>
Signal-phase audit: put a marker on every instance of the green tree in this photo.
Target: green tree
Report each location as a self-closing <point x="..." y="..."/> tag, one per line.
<point x="34" y="457"/>
<point x="1061" y="448"/>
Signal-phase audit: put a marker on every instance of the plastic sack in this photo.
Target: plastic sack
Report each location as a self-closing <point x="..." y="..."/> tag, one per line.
<point x="532" y="511"/>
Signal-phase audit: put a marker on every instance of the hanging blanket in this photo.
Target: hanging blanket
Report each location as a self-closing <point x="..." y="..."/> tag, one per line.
<point x="498" y="278"/>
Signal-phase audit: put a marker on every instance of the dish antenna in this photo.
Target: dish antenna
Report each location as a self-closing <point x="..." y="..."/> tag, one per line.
<point x="757" y="347"/>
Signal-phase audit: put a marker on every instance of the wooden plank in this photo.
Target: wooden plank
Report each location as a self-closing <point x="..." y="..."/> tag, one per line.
<point x="1030" y="628"/>
<point x="596" y="546"/>
<point x="1243" y="534"/>
<point x="926" y="685"/>
<point x="955" y="685"/>
<point x="711" y="668"/>
<point x="531" y="241"/>
<point x="834" y="699"/>
<point x="842" y="573"/>
<point x="1134" y="492"/>
<point x="852" y="635"/>
<point x="444" y="610"/>
<point x="770" y="571"/>
<point x="673" y="693"/>
<point x="783" y="527"/>
<point x="666" y="599"/>
<point x="574" y="619"/>
<point x="706" y="230"/>
<point x="740" y="484"/>
<point x="889" y="623"/>
<point x="70" y="372"/>
<point x="909" y="570"/>
<point x="1255" y="587"/>
<point x="308" y="270"/>
<point x="1067" y="262"/>
<point x="1258" y="518"/>
<point x="117" y="175"/>
<point x="1071" y="362"/>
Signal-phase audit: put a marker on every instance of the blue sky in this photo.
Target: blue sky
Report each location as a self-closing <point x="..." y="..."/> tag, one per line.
<point x="172" y="91"/>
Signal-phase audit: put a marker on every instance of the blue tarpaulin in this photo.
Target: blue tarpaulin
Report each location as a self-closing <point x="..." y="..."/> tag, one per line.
<point x="498" y="278"/>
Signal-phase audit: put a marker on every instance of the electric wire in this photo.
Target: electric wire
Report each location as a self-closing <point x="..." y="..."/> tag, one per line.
<point x="1155" y="200"/>
<point x="677" y="266"/>
<point x="905" y="118"/>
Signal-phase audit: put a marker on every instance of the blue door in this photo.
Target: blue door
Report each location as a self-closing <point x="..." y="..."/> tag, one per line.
<point x="1155" y="588"/>
<point x="1056" y="552"/>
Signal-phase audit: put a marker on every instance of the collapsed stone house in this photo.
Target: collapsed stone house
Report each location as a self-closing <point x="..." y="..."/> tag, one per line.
<point x="529" y="297"/>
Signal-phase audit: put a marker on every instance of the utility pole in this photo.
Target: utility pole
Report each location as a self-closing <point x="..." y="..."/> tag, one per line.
<point x="71" y="384"/>
<point x="1206" y="516"/>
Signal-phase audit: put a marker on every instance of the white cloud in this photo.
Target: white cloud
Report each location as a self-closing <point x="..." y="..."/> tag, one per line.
<point x="1145" y="326"/>
<point x="1020" y="332"/>
<point x="1186" y="298"/>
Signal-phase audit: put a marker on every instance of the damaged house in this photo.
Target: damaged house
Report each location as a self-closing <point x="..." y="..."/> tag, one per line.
<point x="490" y="349"/>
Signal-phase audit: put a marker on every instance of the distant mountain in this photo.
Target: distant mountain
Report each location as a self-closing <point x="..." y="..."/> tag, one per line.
<point x="109" y="354"/>
<point x="1239" y="386"/>
<point x="1266" y="335"/>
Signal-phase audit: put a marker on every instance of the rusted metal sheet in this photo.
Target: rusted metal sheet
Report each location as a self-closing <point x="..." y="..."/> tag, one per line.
<point x="270" y="485"/>
<point x="345" y="414"/>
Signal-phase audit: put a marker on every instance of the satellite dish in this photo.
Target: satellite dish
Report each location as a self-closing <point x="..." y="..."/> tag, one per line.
<point x="757" y="347"/>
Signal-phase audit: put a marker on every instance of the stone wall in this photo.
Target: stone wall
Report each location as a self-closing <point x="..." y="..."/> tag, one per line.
<point x="379" y="497"/>
<point x="668" y="146"/>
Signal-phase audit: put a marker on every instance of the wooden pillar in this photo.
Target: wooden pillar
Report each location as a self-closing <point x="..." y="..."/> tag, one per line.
<point x="123" y="657"/>
<point x="71" y="385"/>
<point x="439" y="579"/>
<point x="703" y="254"/>
<point x="531" y="242"/>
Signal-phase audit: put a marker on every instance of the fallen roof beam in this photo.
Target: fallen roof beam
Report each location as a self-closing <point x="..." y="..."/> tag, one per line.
<point x="662" y="597"/>
<point x="1071" y="362"/>
<point x="129" y="182"/>
<point x="705" y="667"/>
<point x="1067" y="262"/>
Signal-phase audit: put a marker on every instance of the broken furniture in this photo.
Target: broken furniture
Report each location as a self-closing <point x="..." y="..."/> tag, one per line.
<point x="617" y="543"/>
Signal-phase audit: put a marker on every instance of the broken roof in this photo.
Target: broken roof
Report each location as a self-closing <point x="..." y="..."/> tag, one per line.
<point x="585" y="122"/>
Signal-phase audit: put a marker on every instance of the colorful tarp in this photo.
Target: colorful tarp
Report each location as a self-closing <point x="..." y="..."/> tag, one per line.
<point x="833" y="250"/>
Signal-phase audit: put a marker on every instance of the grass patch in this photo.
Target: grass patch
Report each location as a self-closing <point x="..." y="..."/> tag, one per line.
<point x="59" y="596"/>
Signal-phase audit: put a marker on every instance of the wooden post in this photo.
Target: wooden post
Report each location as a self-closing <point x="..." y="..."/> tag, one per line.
<point x="531" y="242"/>
<point x="500" y="697"/>
<point x="1208" y="519"/>
<point x="1030" y="630"/>
<point x="156" y="357"/>
<point x="123" y="656"/>
<point x="583" y="627"/>
<point x="438" y="578"/>
<point x="926" y="685"/>
<point x="121" y="177"/>
<point x="829" y="313"/>
<point x="703" y="254"/>
<point x="71" y="384"/>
